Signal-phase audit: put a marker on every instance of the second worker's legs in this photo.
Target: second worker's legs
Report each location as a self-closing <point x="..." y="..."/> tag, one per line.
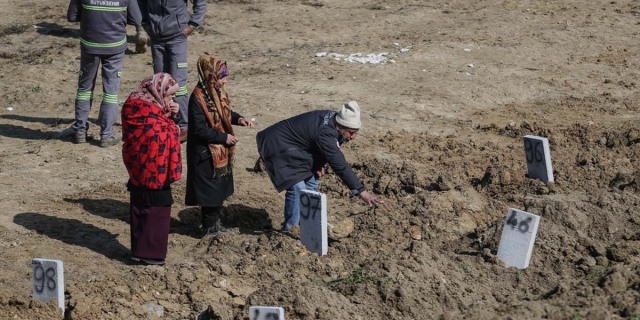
<point x="160" y="57"/>
<point x="111" y="73"/>
<point x="178" y="68"/>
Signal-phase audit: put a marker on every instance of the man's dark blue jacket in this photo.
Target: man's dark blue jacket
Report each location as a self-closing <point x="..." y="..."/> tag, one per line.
<point x="294" y="149"/>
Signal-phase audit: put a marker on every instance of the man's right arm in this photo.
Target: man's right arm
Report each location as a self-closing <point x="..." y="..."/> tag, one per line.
<point x="73" y="12"/>
<point x="329" y="147"/>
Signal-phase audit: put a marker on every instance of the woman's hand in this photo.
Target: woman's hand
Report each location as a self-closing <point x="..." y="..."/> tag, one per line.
<point x="174" y="107"/>
<point x="245" y="123"/>
<point x="231" y="139"/>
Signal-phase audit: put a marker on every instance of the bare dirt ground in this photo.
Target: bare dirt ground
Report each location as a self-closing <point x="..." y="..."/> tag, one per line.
<point x="442" y="143"/>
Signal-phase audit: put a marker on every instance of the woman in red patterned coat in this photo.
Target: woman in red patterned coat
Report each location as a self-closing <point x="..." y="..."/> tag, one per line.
<point x="151" y="153"/>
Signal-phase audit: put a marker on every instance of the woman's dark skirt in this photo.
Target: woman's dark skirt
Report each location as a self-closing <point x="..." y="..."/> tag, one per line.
<point x="150" y="214"/>
<point x="150" y="231"/>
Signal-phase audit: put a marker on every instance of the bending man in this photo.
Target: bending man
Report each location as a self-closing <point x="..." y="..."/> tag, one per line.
<point x="295" y="151"/>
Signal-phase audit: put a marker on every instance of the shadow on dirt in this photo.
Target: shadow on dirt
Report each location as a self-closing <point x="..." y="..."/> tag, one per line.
<point x="106" y="208"/>
<point x="74" y="232"/>
<point x="19" y="132"/>
<point x="56" y="30"/>
<point x="248" y="220"/>
<point x="119" y="210"/>
<point x="53" y="122"/>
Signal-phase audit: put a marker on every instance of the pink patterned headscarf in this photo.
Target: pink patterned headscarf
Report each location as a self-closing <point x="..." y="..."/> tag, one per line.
<point x="155" y="88"/>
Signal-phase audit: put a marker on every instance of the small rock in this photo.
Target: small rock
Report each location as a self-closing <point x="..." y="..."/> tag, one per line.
<point x="170" y="306"/>
<point x="602" y="261"/>
<point x="239" y="302"/>
<point x="276" y="275"/>
<point x="415" y="232"/>
<point x="153" y="308"/>
<point x="603" y="141"/>
<point x="597" y="249"/>
<point x="543" y="190"/>
<point x="505" y="177"/>
<point x="186" y="276"/>
<point x="614" y="282"/>
<point x="444" y="182"/>
<point x="552" y="187"/>
<point x="340" y="228"/>
<point x="587" y="261"/>
<point x="225" y="269"/>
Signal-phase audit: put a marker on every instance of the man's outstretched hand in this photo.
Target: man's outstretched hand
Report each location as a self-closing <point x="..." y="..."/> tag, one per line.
<point x="370" y="199"/>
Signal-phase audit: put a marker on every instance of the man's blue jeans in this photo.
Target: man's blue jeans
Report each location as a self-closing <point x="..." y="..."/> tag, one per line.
<point x="292" y="201"/>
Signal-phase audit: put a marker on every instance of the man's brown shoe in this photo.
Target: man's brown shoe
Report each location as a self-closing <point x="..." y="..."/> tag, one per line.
<point x="141" y="41"/>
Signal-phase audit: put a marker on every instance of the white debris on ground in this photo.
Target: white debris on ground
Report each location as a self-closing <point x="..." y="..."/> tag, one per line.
<point x="374" y="58"/>
<point x="358" y="57"/>
<point x="9" y="109"/>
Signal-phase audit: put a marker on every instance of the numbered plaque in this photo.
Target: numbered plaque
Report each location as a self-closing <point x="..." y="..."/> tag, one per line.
<point x="538" y="155"/>
<point x="313" y="221"/>
<point x="518" y="236"/>
<point x="48" y="281"/>
<point x="266" y="313"/>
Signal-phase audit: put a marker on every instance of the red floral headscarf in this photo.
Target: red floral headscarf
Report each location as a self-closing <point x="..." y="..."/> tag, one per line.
<point x="155" y="88"/>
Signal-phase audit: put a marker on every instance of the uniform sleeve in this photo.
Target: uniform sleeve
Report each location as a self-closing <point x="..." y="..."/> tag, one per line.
<point x="235" y="117"/>
<point x="199" y="10"/>
<point x="134" y="17"/>
<point x="73" y="12"/>
<point x="328" y="145"/>
<point x="143" y="5"/>
<point x="198" y="124"/>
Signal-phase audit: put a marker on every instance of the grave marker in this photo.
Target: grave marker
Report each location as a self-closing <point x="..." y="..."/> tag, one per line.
<point x="313" y="221"/>
<point x="266" y="313"/>
<point x="538" y="155"/>
<point x="518" y="237"/>
<point x="48" y="280"/>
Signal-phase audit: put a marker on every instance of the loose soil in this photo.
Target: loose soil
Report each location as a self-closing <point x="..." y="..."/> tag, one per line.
<point x="441" y="143"/>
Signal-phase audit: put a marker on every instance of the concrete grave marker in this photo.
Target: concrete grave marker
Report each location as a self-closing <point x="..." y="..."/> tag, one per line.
<point x="518" y="237"/>
<point x="313" y="221"/>
<point x="538" y="155"/>
<point x="266" y="313"/>
<point x="48" y="280"/>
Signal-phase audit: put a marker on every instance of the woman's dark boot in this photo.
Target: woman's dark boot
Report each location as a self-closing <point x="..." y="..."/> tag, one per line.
<point x="211" y="223"/>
